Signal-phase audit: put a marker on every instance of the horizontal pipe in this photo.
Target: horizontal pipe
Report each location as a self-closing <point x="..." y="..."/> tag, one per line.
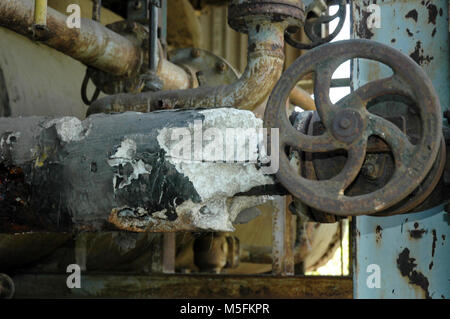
<point x="183" y="286"/>
<point x="264" y="68"/>
<point x="301" y="98"/>
<point x="122" y="172"/>
<point x="93" y="44"/>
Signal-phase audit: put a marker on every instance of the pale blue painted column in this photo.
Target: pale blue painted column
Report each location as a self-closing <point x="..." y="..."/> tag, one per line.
<point x="412" y="250"/>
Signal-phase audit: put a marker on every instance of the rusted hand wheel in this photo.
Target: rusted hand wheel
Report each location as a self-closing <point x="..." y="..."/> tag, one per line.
<point x="348" y="126"/>
<point x="314" y="24"/>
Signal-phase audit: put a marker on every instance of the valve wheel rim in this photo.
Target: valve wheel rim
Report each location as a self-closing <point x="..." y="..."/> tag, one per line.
<point x="309" y="28"/>
<point x="412" y="162"/>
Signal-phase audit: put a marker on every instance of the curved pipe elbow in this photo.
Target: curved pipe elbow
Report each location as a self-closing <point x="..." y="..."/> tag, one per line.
<point x="264" y="68"/>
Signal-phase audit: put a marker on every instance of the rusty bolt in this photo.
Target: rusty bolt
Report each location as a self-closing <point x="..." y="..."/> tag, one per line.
<point x="221" y="67"/>
<point x="195" y="53"/>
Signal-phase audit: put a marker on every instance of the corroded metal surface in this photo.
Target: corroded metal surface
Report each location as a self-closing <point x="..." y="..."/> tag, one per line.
<point x="116" y="53"/>
<point x="265" y="64"/>
<point x="92" y="44"/>
<point x="240" y="12"/>
<point x="184" y="286"/>
<point x="376" y="170"/>
<point x="315" y="23"/>
<point x="349" y="126"/>
<point x="282" y="241"/>
<point x="120" y="172"/>
<point x="411" y="250"/>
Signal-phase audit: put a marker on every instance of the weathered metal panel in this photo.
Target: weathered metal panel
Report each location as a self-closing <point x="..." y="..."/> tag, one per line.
<point x="411" y="250"/>
<point x="183" y="286"/>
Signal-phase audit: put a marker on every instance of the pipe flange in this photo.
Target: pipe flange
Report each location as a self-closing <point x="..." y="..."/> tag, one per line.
<point x="240" y="12"/>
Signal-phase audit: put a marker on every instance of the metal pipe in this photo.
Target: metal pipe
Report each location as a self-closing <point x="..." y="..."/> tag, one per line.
<point x="40" y="14"/>
<point x="153" y="35"/>
<point x="301" y="98"/>
<point x="118" y="172"/>
<point x="265" y="65"/>
<point x="97" y="7"/>
<point x="92" y="44"/>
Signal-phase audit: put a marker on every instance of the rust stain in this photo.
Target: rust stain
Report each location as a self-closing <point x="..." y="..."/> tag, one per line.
<point x="362" y="30"/>
<point x="417" y="233"/>
<point x="407" y="266"/>
<point x="434" y="32"/>
<point x="412" y="14"/>
<point x="433" y="248"/>
<point x="432" y="13"/>
<point x="418" y="55"/>
<point x="379" y="235"/>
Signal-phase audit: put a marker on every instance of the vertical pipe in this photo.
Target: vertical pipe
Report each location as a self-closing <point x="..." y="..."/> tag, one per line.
<point x="404" y="256"/>
<point x="96" y="9"/>
<point x="282" y="250"/>
<point x="169" y="253"/>
<point x="40" y="14"/>
<point x="153" y="36"/>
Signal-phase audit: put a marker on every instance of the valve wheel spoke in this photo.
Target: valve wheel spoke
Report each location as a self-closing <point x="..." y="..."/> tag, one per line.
<point x="402" y="149"/>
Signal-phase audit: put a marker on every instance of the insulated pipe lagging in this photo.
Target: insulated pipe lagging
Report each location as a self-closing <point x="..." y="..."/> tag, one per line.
<point x="265" y="64"/>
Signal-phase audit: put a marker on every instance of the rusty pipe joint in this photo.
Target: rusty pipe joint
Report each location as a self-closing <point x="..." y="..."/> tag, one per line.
<point x="241" y="13"/>
<point x="264" y="67"/>
<point x="40" y="14"/>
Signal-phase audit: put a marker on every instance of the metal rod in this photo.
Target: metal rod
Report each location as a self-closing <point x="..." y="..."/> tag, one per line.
<point x="96" y="9"/>
<point x="282" y="252"/>
<point x="40" y="14"/>
<point x="183" y="286"/>
<point x="153" y="35"/>
<point x="168" y="253"/>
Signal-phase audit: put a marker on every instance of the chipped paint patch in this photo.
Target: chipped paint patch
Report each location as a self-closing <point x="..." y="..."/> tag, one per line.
<point x="69" y="129"/>
<point x="124" y="157"/>
<point x="213" y="179"/>
<point x="213" y="215"/>
<point x="407" y="267"/>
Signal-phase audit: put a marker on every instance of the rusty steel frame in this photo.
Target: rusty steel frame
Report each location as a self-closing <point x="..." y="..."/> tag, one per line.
<point x="349" y="126"/>
<point x="183" y="286"/>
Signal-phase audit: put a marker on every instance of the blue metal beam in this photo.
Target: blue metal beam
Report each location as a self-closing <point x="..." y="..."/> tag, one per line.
<point x="410" y="253"/>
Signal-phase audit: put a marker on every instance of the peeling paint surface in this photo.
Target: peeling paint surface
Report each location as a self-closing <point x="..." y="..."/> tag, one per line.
<point x="215" y="181"/>
<point x="124" y="155"/>
<point x="410" y="267"/>
<point x="410" y="249"/>
<point x="69" y="129"/>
